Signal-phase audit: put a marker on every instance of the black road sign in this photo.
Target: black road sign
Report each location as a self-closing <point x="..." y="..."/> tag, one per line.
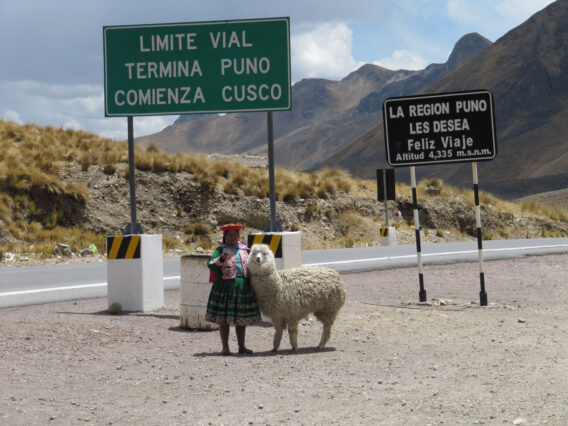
<point x="441" y="128"/>
<point x="389" y="184"/>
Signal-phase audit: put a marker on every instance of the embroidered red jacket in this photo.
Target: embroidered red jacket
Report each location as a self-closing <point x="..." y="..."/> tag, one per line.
<point x="229" y="266"/>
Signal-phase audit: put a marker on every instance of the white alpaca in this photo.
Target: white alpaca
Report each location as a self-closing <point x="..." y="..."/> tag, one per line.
<point x="289" y="295"/>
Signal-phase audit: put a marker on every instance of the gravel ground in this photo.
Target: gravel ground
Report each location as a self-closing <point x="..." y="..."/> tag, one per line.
<point x="390" y="360"/>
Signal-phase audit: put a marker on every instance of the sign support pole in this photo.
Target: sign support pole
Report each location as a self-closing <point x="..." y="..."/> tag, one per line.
<point x="422" y="293"/>
<point x="386" y="198"/>
<point x="273" y="225"/>
<point x="133" y="227"/>
<point x="482" y="293"/>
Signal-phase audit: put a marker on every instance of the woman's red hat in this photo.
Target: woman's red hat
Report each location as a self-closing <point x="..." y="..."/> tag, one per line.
<point x="231" y="227"/>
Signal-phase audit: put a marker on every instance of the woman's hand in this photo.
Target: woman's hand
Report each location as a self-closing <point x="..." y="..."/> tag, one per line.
<point x="224" y="256"/>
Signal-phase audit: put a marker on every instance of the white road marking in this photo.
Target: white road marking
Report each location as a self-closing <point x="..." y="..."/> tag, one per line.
<point x="71" y="287"/>
<point x="409" y="256"/>
<point x="53" y="289"/>
<point x="339" y="262"/>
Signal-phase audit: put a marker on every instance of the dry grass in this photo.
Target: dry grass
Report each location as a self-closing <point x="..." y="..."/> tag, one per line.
<point x="552" y="211"/>
<point x="198" y="228"/>
<point x="32" y="157"/>
<point x="448" y="192"/>
<point x="38" y="239"/>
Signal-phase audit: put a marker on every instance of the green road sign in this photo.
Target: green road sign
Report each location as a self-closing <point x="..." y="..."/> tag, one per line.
<point x="201" y="67"/>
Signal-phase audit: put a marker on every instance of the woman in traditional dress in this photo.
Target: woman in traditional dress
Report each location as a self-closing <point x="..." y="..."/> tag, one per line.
<point x="231" y="299"/>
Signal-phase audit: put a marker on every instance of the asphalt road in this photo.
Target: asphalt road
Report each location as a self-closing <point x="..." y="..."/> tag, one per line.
<point x="51" y="283"/>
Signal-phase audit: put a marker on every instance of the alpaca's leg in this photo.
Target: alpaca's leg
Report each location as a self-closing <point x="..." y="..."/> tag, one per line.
<point x="327" y="320"/>
<point x="293" y="334"/>
<point x="324" y="335"/>
<point x="279" y="326"/>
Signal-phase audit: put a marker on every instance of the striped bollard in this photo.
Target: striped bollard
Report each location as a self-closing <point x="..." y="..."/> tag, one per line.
<point x="387" y="236"/>
<point x="135" y="272"/>
<point x="422" y="293"/>
<point x="482" y="292"/>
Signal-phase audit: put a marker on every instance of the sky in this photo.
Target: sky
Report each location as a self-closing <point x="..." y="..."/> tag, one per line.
<point x="51" y="52"/>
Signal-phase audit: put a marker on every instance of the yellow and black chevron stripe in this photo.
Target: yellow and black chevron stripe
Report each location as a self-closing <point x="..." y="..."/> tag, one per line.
<point x="273" y="241"/>
<point x="384" y="232"/>
<point x="123" y="247"/>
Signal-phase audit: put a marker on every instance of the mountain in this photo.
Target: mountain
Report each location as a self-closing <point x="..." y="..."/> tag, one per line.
<point x="527" y="72"/>
<point x="325" y="114"/>
<point x="466" y="48"/>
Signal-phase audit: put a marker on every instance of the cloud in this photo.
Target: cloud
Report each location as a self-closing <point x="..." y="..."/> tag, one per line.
<point x="10" y="115"/>
<point x="72" y="124"/>
<point x="325" y="52"/>
<point x="520" y="10"/>
<point x="459" y="11"/>
<point x="71" y="106"/>
<point x="403" y="59"/>
<point x="514" y="12"/>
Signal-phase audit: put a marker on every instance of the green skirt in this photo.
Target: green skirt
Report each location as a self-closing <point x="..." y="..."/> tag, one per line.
<point x="232" y="302"/>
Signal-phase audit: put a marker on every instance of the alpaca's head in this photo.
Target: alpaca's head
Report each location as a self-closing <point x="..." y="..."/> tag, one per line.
<point x="261" y="259"/>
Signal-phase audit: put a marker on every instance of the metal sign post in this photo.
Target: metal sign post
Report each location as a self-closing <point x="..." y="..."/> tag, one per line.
<point x="441" y="128"/>
<point x="386" y="188"/>
<point x="482" y="293"/>
<point x="273" y="225"/>
<point x="133" y="227"/>
<point x="422" y="292"/>
<point x="386" y="198"/>
<point x="385" y="192"/>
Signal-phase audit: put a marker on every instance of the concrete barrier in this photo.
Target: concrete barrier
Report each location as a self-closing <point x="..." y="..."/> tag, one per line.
<point x="135" y="272"/>
<point x="387" y="236"/>
<point x="195" y="287"/>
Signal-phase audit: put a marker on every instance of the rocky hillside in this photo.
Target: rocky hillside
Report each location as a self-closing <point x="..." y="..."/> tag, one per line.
<point x="71" y="187"/>
<point x="170" y="203"/>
